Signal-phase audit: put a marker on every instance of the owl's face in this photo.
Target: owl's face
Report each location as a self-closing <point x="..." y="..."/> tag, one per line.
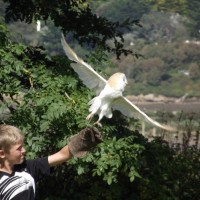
<point x="118" y="81"/>
<point x="124" y="81"/>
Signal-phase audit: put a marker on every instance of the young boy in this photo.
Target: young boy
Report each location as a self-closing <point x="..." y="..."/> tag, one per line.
<point x="18" y="176"/>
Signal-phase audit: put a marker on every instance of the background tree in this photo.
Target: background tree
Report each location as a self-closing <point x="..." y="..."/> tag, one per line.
<point x="46" y="100"/>
<point x="194" y="71"/>
<point x="187" y="8"/>
<point x="129" y="9"/>
<point x="72" y="16"/>
<point x="43" y="96"/>
<point x="192" y="12"/>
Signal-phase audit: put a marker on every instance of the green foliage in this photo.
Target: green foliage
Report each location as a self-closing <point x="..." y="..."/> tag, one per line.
<point x="187" y="8"/>
<point x="42" y="91"/>
<point x="118" y="156"/>
<point x="169" y="174"/>
<point x="114" y="162"/>
<point x="192" y="12"/>
<point x="75" y="17"/>
<point x="166" y="60"/>
<point x="168" y="5"/>
<point x="169" y="65"/>
<point x="3" y="33"/>
<point x="48" y="103"/>
<point x="45" y="98"/>
<point x="129" y="9"/>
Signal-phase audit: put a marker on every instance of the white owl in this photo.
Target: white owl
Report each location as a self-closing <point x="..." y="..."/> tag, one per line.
<point x="109" y="92"/>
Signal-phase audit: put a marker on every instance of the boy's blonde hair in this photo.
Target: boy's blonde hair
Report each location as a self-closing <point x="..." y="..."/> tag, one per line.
<point x="9" y="135"/>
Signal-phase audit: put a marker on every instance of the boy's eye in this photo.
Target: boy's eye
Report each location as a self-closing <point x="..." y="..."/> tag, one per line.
<point x="20" y="148"/>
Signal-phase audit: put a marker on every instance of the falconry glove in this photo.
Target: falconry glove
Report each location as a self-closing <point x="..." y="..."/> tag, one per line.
<point x="84" y="141"/>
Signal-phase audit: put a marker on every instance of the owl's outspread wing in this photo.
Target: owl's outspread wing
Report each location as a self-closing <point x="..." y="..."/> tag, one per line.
<point x="129" y="109"/>
<point x="86" y="73"/>
<point x="109" y="91"/>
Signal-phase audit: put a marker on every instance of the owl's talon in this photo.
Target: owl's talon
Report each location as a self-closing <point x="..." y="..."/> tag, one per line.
<point x="89" y="116"/>
<point x="98" y="123"/>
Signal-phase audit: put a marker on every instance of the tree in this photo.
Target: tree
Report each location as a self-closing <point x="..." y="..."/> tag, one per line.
<point x="187" y="8"/>
<point x="194" y="70"/>
<point x="192" y="12"/>
<point x="116" y="10"/>
<point x="47" y="101"/>
<point x="72" y="16"/>
<point x="168" y="5"/>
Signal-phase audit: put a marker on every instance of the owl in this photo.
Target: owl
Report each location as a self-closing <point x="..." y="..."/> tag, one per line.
<point x="109" y="93"/>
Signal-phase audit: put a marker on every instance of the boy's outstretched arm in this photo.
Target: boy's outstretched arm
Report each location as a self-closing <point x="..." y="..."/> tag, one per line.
<point x="78" y="146"/>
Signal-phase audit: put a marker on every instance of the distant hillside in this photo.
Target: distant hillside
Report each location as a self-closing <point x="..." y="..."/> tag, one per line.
<point x="169" y="65"/>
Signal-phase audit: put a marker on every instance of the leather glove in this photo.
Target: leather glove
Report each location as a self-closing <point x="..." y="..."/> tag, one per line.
<point x="84" y="141"/>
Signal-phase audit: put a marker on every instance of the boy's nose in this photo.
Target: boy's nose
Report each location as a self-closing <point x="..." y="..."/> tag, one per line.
<point x="23" y="150"/>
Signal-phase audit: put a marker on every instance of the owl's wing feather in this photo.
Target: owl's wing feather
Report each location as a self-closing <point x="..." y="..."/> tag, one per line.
<point x="86" y="73"/>
<point x="127" y="108"/>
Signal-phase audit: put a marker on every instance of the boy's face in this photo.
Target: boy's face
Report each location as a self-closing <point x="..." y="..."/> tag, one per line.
<point x="16" y="153"/>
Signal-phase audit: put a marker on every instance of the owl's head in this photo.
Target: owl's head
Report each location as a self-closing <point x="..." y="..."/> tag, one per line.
<point x="118" y="81"/>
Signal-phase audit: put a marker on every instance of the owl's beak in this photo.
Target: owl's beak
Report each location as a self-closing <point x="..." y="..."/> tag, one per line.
<point x="125" y="80"/>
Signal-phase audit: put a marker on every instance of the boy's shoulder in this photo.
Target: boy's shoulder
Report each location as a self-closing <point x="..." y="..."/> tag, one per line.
<point x="29" y="163"/>
<point x="21" y="167"/>
<point x="35" y="167"/>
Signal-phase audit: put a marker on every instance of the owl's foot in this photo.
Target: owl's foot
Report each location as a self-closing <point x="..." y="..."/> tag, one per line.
<point x="89" y="117"/>
<point x="98" y="123"/>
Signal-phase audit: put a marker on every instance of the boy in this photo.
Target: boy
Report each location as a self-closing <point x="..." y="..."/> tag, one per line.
<point x="18" y="176"/>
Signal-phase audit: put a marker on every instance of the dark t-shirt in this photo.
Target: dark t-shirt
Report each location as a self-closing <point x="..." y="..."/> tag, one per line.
<point x="20" y="185"/>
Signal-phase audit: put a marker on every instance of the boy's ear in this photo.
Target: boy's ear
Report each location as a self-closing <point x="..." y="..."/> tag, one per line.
<point x="2" y="154"/>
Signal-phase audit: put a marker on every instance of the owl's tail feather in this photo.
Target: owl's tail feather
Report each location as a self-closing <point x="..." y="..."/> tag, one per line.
<point x="95" y="104"/>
